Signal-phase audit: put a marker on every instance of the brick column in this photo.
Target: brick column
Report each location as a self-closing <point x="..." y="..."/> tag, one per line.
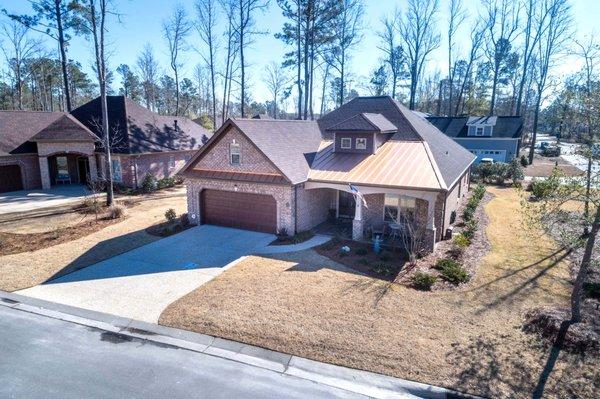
<point x="93" y="167"/>
<point x="357" y="223"/>
<point x="430" y="233"/>
<point x="44" y="173"/>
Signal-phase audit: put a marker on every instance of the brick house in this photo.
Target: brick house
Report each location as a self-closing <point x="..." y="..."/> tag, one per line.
<point x="42" y="149"/>
<point x="269" y="175"/>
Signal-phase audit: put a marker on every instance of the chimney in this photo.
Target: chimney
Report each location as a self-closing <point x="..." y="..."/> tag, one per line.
<point x="176" y="126"/>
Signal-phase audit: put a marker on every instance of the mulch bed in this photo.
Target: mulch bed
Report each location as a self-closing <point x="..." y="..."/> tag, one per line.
<point x="364" y="263"/>
<point x="11" y="243"/>
<point x="168" y="228"/>
<point x="295" y="239"/>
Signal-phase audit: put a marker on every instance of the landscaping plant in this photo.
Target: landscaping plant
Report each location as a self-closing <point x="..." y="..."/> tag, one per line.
<point x="149" y="183"/>
<point x="170" y="215"/>
<point x="423" y="281"/>
<point x="452" y="271"/>
<point x="116" y="211"/>
<point x="384" y="269"/>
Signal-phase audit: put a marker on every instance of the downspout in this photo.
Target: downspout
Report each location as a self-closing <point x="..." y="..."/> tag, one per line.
<point x="296" y="209"/>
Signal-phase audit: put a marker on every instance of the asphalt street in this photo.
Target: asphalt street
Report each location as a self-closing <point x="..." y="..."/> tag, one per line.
<point x="42" y="357"/>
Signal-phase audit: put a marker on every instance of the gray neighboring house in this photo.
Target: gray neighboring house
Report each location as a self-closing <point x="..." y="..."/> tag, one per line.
<point x="495" y="137"/>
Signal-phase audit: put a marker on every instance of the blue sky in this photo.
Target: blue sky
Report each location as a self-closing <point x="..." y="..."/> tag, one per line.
<point x="141" y="23"/>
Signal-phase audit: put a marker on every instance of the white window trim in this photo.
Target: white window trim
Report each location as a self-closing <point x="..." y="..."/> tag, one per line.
<point x="231" y="154"/>
<point x="363" y="146"/>
<point x="346" y="147"/>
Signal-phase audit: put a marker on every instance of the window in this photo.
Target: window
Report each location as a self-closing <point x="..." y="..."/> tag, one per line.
<point x="361" y="144"/>
<point x="346" y="143"/>
<point x="116" y="170"/>
<point x="399" y="208"/>
<point x="235" y="157"/>
<point x="62" y="167"/>
<point x="479" y="131"/>
<point x="171" y="162"/>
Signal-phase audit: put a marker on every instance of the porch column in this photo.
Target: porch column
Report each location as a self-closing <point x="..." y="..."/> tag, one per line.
<point x="357" y="223"/>
<point x="93" y="167"/>
<point x="44" y="172"/>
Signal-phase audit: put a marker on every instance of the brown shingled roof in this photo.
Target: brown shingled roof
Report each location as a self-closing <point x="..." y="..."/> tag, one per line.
<point x="65" y="128"/>
<point x="365" y="122"/>
<point x="17" y="127"/>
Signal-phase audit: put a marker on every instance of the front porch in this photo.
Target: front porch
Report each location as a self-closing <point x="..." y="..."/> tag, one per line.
<point x="398" y="216"/>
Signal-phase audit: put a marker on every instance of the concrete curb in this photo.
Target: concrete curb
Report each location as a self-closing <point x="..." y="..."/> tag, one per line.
<point x="357" y="381"/>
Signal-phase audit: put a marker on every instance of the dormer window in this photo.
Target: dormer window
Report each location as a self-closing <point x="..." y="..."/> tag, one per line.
<point x="346" y="143"/>
<point x="235" y="156"/>
<point x="479" y="131"/>
<point x="361" y="144"/>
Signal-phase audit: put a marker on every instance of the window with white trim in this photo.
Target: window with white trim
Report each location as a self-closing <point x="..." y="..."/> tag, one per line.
<point x="171" y="162"/>
<point x="479" y="131"/>
<point x="235" y="154"/>
<point x="361" y="144"/>
<point x="346" y="143"/>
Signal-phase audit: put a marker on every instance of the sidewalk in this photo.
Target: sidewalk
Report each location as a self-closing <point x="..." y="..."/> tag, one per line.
<point x="355" y="381"/>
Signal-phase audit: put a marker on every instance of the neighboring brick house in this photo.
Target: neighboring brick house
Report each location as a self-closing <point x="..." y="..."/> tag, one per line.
<point x="496" y="137"/>
<point x="42" y="149"/>
<point x="273" y="175"/>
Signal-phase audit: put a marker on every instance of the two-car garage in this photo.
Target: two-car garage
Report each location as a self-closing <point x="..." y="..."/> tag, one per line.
<point x="247" y="211"/>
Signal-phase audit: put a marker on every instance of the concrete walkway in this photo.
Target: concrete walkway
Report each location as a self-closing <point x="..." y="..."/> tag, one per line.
<point x="280" y="249"/>
<point x="46" y="341"/>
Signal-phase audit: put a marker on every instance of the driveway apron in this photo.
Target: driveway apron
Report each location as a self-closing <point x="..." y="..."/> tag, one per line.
<point x="141" y="283"/>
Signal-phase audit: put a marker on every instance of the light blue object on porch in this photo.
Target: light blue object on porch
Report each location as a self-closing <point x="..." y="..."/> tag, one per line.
<point x="377" y="244"/>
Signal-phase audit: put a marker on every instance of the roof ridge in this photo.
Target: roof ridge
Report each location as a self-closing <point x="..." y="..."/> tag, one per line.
<point x="273" y="120"/>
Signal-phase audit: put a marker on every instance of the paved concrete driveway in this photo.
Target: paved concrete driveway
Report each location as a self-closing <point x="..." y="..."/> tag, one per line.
<point x="33" y="200"/>
<point x="141" y="283"/>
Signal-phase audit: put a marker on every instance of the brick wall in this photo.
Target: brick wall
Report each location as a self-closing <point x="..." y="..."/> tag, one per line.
<point x="283" y="195"/>
<point x="313" y="206"/>
<point x="455" y="197"/>
<point x="374" y="213"/>
<point x="30" y="169"/>
<point x="51" y="148"/>
<point x="252" y="160"/>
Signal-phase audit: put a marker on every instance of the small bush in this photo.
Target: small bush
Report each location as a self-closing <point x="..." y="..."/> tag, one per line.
<point x="361" y="251"/>
<point x="165" y="183"/>
<point x="149" y="183"/>
<point x="170" y="215"/>
<point x="116" y="212"/>
<point x="452" y="271"/>
<point x="515" y="171"/>
<point x="479" y="191"/>
<point x="468" y="213"/>
<point x="470" y="228"/>
<point x="363" y="261"/>
<point x="524" y="161"/>
<point x="91" y="205"/>
<point x="423" y="281"/>
<point x="544" y="188"/>
<point x="385" y="256"/>
<point x="461" y="241"/>
<point x="167" y="231"/>
<point x="492" y="172"/>
<point x="384" y="269"/>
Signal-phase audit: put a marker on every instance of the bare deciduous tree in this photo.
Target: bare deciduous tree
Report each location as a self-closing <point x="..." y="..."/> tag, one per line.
<point x="206" y="27"/>
<point x="457" y="16"/>
<point x="556" y="34"/>
<point x="176" y="29"/>
<point x="420" y="35"/>
<point x="477" y="36"/>
<point x="276" y="79"/>
<point x="149" y="71"/>
<point x="393" y="50"/>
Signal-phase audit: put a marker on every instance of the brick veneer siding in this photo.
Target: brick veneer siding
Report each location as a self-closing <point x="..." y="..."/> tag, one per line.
<point x="313" y="206"/>
<point x="282" y="193"/>
<point x="30" y="169"/>
<point x="455" y="197"/>
<point x="373" y="215"/>
<point x="252" y="160"/>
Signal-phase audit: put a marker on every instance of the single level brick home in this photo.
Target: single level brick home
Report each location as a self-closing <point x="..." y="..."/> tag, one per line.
<point x="495" y="137"/>
<point x="43" y="149"/>
<point x="281" y="175"/>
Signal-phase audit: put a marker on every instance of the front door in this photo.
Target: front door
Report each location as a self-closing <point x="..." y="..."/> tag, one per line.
<point x="83" y="169"/>
<point x="346" y="205"/>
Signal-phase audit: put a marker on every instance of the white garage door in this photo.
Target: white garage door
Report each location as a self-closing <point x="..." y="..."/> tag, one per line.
<point x="496" y="155"/>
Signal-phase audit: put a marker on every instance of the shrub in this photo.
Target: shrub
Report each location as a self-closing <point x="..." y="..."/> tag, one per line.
<point x="470" y="228"/>
<point x="363" y="261"/>
<point x="461" y="241"/>
<point x="492" y="172"/>
<point x="361" y="251"/>
<point x="515" y="171"/>
<point x="282" y="233"/>
<point x="116" y="211"/>
<point x="452" y="271"/>
<point x="91" y="205"/>
<point x="468" y="213"/>
<point x="423" y="281"/>
<point x="385" y="256"/>
<point x="170" y="215"/>
<point x="545" y="188"/>
<point x="524" y="161"/>
<point x="384" y="269"/>
<point x="149" y="183"/>
<point x="479" y="192"/>
<point x="165" y="182"/>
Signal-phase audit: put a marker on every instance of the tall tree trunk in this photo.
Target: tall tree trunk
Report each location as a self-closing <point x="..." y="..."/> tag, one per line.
<point x="439" y="104"/>
<point x="213" y="86"/>
<point x="299" y="61"/>
<point x="536" y="115"/>
<point x="243" y="66"/>
<point x="63" y="53"/>
<point x="494" y="88"/>
<point x="583" y="269"/>
<point x="323" y="89"/>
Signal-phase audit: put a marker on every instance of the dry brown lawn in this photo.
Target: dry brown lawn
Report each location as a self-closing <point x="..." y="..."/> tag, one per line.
<point x="26" y="269"/>
<point x="469" y="339"/>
